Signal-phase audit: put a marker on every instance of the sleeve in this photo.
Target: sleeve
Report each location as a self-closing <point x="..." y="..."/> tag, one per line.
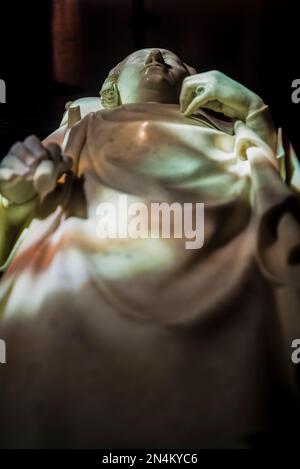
<point x="14" y="220"/>
<point x="277" y="209"/>
<point x="282" y="152"/>
<point x="261" y="122"/>
<point x="288" y="162"/>
<point x="275" y="202"/>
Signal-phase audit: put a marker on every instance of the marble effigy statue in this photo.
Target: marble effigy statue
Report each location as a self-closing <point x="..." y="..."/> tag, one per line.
<point x="140" y="342"/>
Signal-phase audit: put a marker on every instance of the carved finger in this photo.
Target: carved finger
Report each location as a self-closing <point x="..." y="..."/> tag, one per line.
<point x="44" y="179"/>
<point x="197" y="103"/>
<point x="186" y="95"/>
<point x="22" y="152"/>
<point x="34" y="145"/>
<point x="7" y="174"/>
<point x="18" y="167"/>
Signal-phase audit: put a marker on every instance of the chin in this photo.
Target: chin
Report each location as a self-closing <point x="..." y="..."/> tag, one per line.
<point x="157" y="86"/>
<point x="157" y="77"/>
<point x="158" y="82"/>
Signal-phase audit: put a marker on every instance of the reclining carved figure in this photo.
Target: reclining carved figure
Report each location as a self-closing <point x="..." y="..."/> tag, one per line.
<point x="140" y="342"/>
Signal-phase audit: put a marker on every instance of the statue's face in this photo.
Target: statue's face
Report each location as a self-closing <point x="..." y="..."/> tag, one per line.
<point x="151" y="75"/>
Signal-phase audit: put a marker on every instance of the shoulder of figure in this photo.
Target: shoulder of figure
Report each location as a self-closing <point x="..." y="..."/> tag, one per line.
<point x="84" y="106"/>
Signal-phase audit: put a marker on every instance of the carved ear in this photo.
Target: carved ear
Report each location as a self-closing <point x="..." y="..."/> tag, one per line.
<point x="109" y="94"/>
<point x="190" y="69"/>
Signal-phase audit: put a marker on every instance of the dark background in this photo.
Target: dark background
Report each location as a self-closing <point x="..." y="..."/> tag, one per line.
<point x="55" y="51"/>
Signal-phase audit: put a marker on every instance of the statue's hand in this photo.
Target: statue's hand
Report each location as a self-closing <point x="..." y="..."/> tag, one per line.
<point x="216" y="91"/>
<point x="30" y="169"/>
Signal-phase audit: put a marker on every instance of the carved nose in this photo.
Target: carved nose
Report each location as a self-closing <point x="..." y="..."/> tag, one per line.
<point x="155" y="56"/>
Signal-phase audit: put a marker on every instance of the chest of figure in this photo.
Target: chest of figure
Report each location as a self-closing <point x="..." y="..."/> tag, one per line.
<point x="150" y="157"/>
